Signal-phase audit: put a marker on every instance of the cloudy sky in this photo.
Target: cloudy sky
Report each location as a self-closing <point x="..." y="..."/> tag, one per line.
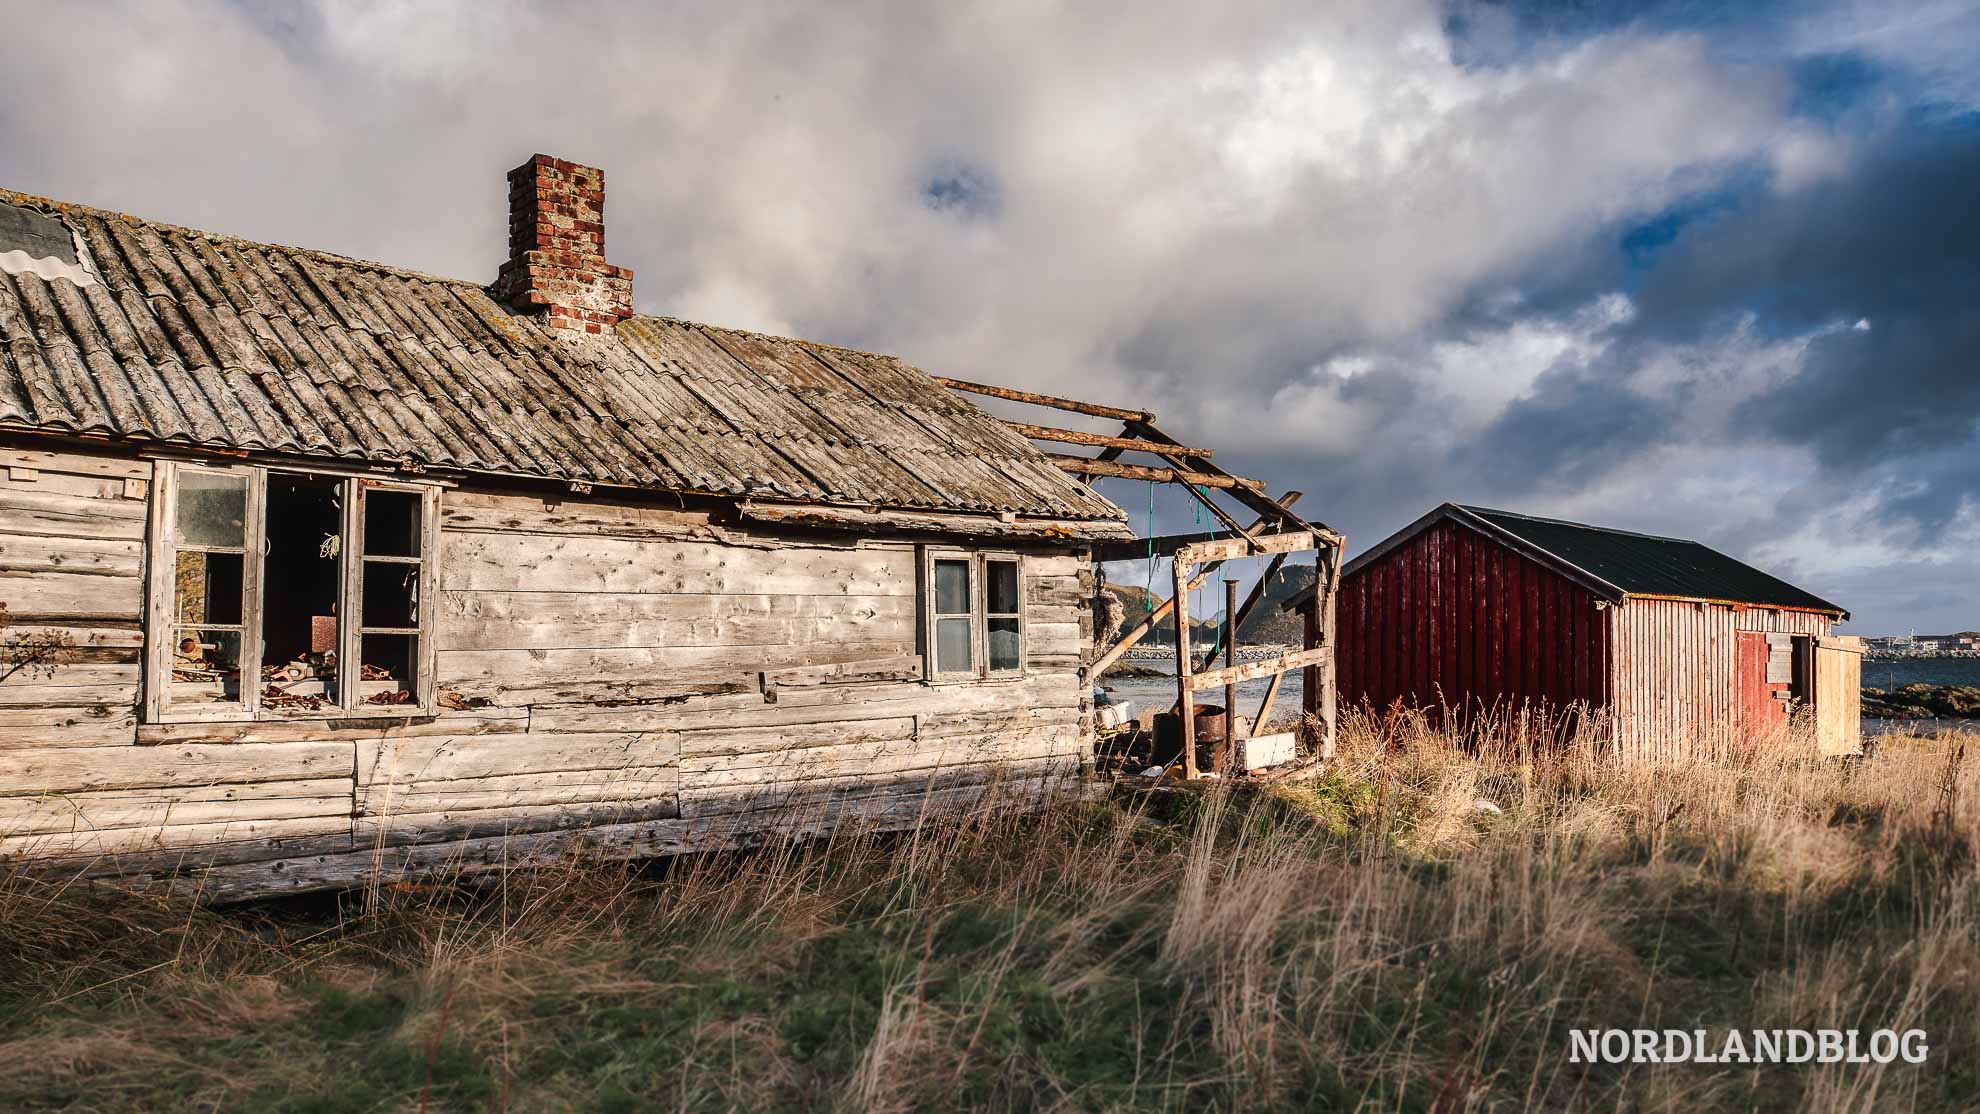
<point x="1682" y="268"/>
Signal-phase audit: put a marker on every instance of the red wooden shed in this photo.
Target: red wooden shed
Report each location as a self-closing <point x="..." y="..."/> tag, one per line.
<point x="1470" y="611"/>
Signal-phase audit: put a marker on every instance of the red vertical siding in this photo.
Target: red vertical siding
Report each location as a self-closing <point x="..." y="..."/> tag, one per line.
<point x="1455" y="614"/>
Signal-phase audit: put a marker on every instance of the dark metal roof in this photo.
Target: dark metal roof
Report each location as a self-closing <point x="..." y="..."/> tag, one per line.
<point x="1647" y="565"/>
<point x="201" y="339"/>
<point x="1614" y="563"/>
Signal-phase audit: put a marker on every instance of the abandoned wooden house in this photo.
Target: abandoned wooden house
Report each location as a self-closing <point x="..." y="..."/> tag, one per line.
<point x="314" y="569"/>
<point x="1473" y="612"/>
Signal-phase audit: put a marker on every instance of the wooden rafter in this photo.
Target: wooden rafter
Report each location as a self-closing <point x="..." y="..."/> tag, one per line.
<point x="1090" y="466"/>
<point x="1096" y="440"/>
<point x="1053" y="401"/>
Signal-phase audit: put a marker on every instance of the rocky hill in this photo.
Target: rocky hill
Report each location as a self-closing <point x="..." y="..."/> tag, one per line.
<point x="1266" y="624"/>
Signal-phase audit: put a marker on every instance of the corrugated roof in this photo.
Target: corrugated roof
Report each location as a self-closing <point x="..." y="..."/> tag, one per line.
<point x="1647" y="565"/>
<point x="203" y="339"/>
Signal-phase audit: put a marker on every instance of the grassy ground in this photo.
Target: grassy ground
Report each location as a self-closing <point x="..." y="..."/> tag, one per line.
<point x="1368" y="941"/>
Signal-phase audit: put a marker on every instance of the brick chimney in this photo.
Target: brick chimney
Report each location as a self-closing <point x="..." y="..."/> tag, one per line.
<point x="557" y="248"/>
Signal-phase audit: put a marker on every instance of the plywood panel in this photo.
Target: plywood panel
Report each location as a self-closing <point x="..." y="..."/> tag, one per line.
<point x="1839" y="695"/>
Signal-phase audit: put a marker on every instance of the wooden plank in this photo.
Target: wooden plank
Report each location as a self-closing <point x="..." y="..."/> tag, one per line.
<point x="154" y="808"/>
<point x="560" y="620"/>
<point x="70" y="598"/>
<point x="46" y="728"/>
<point x="92" y="843"/>
<point x="487" y="721"/>
<point x="854" y="763"/>
<point x="886" y="809"/>
<point x="35" y="553"/>
<point x="787" y="797"/>
<point x="1184" y="667"/>
<point x="1055" y="402"/>
<point x="78" y="464"/>
<point x="1230" y="549"/>
<point x="854" y="519"/>
<point x="68" y="770"/>
<point x="1235" y="674"/>
<point x="516" y="677"/>
<point x="533" y="562"/>
<point x="1098" y="440"/>
<point x="462" y="511"/>
<point x="713" y="746"/>
<point x="1090" y="466"/>
<point x="444" y="758"/>
<point x="817" y="704"/>
<point x="42" y="513"/>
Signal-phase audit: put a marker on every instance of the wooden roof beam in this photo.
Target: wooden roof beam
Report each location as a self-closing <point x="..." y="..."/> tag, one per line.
<point x="1101" y="440"/>
<point x="1053" y="401"/>
<point x="1088" y="466"/>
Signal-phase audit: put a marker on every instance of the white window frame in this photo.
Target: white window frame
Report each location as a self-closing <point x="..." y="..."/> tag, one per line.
<point x="162" y="613"/>
<point x="979" y="626"/>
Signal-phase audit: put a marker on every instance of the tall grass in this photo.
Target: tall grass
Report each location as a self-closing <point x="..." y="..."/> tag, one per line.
<point x="1375" y="939"/>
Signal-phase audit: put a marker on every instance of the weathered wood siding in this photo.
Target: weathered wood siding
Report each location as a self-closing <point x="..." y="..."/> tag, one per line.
<point x="1676" y="673"/>
<point x="1454" y="619"/>
<point x="608" y="664"/>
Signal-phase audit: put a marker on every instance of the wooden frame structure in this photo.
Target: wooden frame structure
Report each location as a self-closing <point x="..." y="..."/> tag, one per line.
<point x="1276" y="531"/>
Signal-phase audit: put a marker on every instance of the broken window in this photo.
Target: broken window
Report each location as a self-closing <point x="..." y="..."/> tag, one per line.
<point x="269" y="569"/>
<point x="209" y="590"/>
<point x="975" y="615"/>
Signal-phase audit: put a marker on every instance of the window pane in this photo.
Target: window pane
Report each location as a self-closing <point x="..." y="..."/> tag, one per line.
<point x="391" y="523"/>
<point x="1002" y="585"/>
<point x="388" y="669"/>
<point x="299" y="598"/>
<point x="212" y="509"/>
<point x="952" y="587"/>
<point x="1006" y="650"/>
<point x="206" y="667"/>
<point x="207" y="588"/>
<point x="952" y="646"/>
<point x="391" y="594"/>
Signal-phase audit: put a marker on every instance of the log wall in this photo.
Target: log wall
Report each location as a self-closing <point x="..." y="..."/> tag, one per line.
<point x="637" y="672"/>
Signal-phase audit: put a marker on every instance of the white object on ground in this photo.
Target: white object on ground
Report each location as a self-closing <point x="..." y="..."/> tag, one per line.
<point x="1265" y="750"/>
<point x="1487" y="808"/>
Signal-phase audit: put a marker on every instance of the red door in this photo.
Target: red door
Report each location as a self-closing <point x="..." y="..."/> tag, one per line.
<point x="1761" y="711"/>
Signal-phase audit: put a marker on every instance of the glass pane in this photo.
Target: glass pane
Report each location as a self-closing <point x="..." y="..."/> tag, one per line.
<point x="1006" y="651"/>
<point x="299" y="598"/>
<point x="207" y="587"/>
<point x="206" y="667"/>
<point x="391" y="594"/>
<point x="391" y="523"/>
<point x="212" y="509"/>
<point x="952" y="646"/>
<point x="952" y="587"/>
<point x="1002" y="585"/>
<point x="388" y="669"/>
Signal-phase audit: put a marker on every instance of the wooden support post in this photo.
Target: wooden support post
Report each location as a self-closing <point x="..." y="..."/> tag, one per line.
<point x="1230" y="661"/>
<point x="1185" y="702"/>
<point x="1265" y="705"/>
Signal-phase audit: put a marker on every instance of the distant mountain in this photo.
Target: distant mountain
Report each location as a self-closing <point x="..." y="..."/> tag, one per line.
<point x="1266" y="624"/>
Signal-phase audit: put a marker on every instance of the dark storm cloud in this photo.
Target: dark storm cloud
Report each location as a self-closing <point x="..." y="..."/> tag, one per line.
<point x="1586" y="259"/>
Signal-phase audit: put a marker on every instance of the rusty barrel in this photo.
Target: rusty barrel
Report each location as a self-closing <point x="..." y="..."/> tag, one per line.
<point x="1212" y="723"/>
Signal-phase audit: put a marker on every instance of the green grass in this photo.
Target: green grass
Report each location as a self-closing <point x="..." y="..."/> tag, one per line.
<point x="1367" y="940"/>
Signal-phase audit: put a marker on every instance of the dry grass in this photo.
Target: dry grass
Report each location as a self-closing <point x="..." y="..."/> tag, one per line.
<point x="1371" y="940"/>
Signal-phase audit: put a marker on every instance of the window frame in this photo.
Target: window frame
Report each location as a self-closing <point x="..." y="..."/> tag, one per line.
<point x="161" y="627"/>
<point x="979" y="616"/>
